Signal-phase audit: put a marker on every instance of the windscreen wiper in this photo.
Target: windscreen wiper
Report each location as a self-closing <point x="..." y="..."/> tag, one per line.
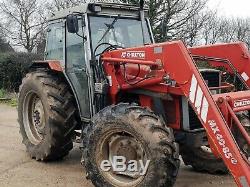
<point x="110" y="26"/>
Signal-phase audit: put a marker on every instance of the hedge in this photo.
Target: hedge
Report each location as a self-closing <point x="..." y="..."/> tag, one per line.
<point x="13" y="66"/>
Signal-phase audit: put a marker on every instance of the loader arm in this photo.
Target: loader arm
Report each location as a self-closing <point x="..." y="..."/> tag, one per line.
<point x="226" y="55"/>
<point x="179" y="66"/>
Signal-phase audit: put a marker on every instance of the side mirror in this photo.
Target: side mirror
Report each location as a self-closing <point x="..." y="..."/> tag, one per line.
<point x="142" y="2"/>
<point x="72" y="23"/>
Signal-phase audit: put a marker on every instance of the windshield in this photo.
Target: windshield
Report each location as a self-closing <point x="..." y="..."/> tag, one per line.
<point x="124" y="32"/>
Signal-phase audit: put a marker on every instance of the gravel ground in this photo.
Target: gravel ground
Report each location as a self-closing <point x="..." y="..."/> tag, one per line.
<point x="17" y="169"/>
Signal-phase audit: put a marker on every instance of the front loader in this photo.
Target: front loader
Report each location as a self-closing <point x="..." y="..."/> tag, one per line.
<point x="107" y="85"/>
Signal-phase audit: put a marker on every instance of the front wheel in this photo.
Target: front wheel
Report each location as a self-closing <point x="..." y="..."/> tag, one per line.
<point x="136" y="134"/>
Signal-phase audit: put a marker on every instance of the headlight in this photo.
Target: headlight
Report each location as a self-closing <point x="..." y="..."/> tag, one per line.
<point x="94" y="7"/>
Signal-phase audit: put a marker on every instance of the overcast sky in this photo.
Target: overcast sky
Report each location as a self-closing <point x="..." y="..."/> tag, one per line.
<point x="230" y="8"/>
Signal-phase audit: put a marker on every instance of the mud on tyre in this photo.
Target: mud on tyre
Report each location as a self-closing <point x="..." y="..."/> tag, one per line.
<point x="202" y="159"/>
<point x="127" y="130"/>
<point x="46" y="114"/>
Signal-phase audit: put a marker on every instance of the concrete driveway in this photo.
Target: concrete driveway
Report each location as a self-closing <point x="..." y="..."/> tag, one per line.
<point x="17" y="169"/>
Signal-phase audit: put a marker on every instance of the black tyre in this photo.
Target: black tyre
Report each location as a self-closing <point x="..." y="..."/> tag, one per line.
<point x="202" y="159"/>
<point x="245" y="121"/>
<point x="137" y="134"/>
<point x="46" y="114"/>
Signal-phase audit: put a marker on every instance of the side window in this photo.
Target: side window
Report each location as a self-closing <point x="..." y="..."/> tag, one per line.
<point x="54" y="48"/>
<point x="75" y="49"/>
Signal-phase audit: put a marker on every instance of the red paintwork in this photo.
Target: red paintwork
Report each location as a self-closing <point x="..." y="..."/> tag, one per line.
<point x="173" y="113"/>
<point x="224" y="86"/>
<point x="236" y="53"/>
<point x="173" y="60"/>
<point x="53" y="64"/>
<point x="237" y="122"/>
<point x="146" y="101"/>
<point x="119" y="60"/>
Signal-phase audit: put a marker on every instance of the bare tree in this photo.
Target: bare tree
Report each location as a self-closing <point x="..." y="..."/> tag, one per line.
<point x="191" y="31"/>
<point x="171" y="19"/>
<point x="62" y="4"/>
<point x="4" y="45"/>
<point x="242" y="30"/>
<point x="169" y="16"/>
<point x="210" y="32"/>
<point x="24" y="23"/>
<point x="227" y="30"/>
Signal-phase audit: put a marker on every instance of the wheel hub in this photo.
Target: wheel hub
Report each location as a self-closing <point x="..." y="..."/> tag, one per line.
<point x="122" y="144"/>
<point x="127" y="152"/>
<point x="34" y="118"/>
<point x="38" y="116"/>
<point x="125" y="146"/>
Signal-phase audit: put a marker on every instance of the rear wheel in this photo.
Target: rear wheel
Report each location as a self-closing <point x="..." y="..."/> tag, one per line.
<point x="202" y="159"/>
<point x="245" y="121"/>
<point x="46" y="114"/>
<point x="136" y="134"/>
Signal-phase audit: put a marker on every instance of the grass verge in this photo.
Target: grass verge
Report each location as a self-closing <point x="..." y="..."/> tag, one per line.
<point x="8" y="98"/>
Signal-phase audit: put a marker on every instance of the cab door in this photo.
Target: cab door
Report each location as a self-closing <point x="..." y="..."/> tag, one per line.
<point x="76" y="69"/>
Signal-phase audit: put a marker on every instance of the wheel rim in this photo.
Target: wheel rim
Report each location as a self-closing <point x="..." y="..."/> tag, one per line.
<point x="206" y="149"/>
<point x="206" y="153"/>
<point x="34" y="118"/>
<point x="120" y="143"/>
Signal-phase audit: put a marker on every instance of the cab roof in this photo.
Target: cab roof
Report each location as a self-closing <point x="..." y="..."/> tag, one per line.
<point x="106" y="9"/>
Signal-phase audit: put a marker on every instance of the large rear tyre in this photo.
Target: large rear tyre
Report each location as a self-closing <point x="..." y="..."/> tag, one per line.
<point x="201" y="157"/>
<point x="136" y="134"/>
<point x="202" y="160"/>
<point x="46" y="114"/>
<point x="245" y="121"/>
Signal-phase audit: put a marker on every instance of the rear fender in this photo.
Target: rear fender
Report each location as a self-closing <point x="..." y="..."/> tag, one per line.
<point x="56" y="66"/>
<point x="53" y="65"/>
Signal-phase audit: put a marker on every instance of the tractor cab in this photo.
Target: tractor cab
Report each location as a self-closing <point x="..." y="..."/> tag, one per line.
<point x="96" y="24"/>
<point x="77" y="36"/>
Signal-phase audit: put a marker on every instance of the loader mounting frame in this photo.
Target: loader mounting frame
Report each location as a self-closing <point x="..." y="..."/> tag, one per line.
<point x="173" y="71"/>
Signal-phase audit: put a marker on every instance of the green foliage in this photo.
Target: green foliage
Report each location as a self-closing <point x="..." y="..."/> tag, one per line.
<point x="4" y="46"/>
<point x="13" y="66"/>
<point x="203" y="64"/>
<point x="13" y="102"/>
<point x="2" y="93"/>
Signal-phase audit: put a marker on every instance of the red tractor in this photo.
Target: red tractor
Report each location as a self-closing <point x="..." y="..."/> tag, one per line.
<point x="106" y="83"/>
